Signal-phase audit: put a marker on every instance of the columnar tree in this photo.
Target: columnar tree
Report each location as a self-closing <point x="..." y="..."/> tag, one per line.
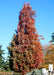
<point x="25" y="49"/>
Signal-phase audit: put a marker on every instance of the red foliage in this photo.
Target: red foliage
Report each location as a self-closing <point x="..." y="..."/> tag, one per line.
<point x="26" y="47"/>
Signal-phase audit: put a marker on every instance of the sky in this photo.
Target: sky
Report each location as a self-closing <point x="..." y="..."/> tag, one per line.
<point x="9" y="12"/>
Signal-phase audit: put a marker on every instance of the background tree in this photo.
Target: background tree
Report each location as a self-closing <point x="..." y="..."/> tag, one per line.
<point x="6" y="64"/>
<point x="49" y="53"/>
<point x="1" y="58"/>
<point x="52" y="40"/>
<point x="25" y="49"/>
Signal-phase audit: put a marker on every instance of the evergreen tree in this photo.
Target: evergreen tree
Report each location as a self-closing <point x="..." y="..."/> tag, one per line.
<point x="1" y="58"/>
<point x="6" y="64"/>
<point x="25" y="49"/>
<point x="52" y="40"/>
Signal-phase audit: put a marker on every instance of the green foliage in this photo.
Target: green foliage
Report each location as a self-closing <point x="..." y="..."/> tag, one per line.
<point x="6" y="64"/>
<point x="52" y="40"/>
<point x="1" y="58"/>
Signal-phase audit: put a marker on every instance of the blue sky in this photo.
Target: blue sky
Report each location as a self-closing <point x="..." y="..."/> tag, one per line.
<point x="9" y="12"/>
